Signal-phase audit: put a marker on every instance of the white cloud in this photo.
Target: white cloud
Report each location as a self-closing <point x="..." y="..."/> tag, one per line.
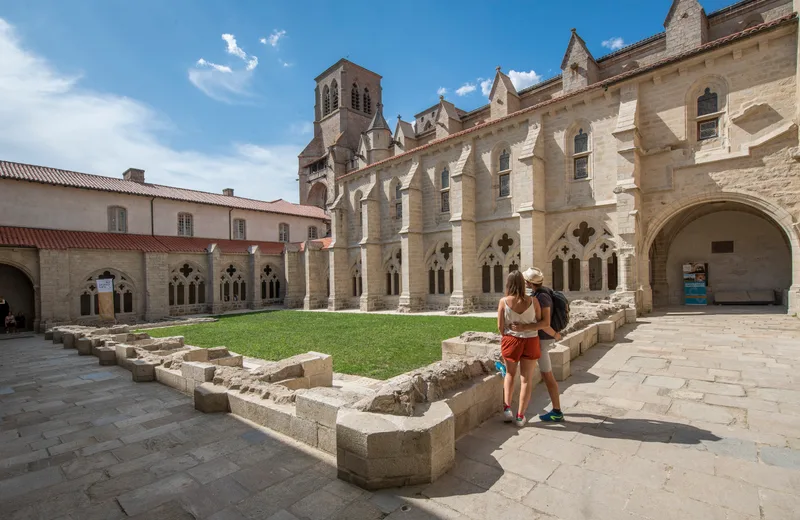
<point x="252" y="63"/>
<point x="520" y="80"/>
<point x="222" y="68"/>
<point x="221" y="82"/>
<point x="273" y="38"/>
<point x="486" y="86"/>
<point x="48" y="118"/>
<point x="465" y="89"/>
<point x="284" y="63"/>
<point x="613" y="43"/>
<point x="441" y="91"/>
<point x="232" y="47"/>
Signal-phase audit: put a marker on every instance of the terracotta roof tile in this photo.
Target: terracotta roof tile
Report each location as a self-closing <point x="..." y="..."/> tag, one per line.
<point x="59" y="239"/>
<point x="45" y="175"/>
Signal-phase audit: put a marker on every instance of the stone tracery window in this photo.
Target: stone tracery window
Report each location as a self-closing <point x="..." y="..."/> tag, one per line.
<point x="367" y="101"/>
<point x="326" y="101"/>
<point x="270" y="283"/>
<point x="580" y="155"/>
<point x="232" y="285"/>
<point x="440" y="271"/>
<point x="123" y="294"/>
<point x="334" y="95"/>
<point x="187" y="286"/>
<point x="355" y="97"/>
<point x="558" y="273"/>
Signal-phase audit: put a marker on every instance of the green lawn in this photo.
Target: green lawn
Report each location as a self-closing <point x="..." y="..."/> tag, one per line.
<point x="373" y="345"/>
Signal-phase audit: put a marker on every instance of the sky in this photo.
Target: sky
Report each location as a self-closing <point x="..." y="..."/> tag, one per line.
<point x="207" y="95"/>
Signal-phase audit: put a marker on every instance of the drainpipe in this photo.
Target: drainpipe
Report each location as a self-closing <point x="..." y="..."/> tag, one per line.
<point x="152" y="219"/>
<point x="230" y="225"/>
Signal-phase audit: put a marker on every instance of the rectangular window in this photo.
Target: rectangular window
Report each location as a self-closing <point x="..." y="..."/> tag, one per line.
<point x="445" y="202"/>
<point x="582" y="168"/>
<point x="722" y="247"/>
<point x="239" y="229"/>
<point x="707" y="129"/>
<point x="505" y="185"/>
<point x="398" y="211"/>
<point x="117" y="220"/>
<point x="498" y="279"/>
<point x="283" y="232"/>
<point x="440" y="284"/>
<point x="431" y="281"/>
<point x="312" y="233"/>
<point x="388" y="284"/>
<point x="185" y="225"/>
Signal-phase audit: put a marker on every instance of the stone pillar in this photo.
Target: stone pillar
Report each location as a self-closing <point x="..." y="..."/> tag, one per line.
<point x="316" y="286"/>
<point x="533" y="245"/>
<point x="54" y="283"/>
<point x="295" y="276"/>
<point x="213" y="295"/>
<point x="605" y="275"/>
<point x="337" y="255"/>
<point x="585" y="276"/>
<point x="466" y="283"/>
<point x="565" y="276"/>
<point x="253" y="278"/>
<point x="156" y="285"/>
<point x="628" y="195"/>
<point x="412" y="298"/>
<point x="372" y="277"/>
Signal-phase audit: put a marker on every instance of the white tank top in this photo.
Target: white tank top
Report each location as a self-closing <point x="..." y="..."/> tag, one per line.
<point x="527" y="317"/>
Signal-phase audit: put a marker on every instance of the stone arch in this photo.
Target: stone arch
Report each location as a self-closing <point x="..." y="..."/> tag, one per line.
<point x="498" y="254"/>
<point x="272" y="283"/>
<point x="125" y="296"/>
<point x="439" y="268"/>
<point x="187" y="288"/>
<point x="233" y="279"/>
<point x="779" y="216"/>
<point x="18" y="288"/>
<point x="392" y="270"/>
<point x="318" y="194"/>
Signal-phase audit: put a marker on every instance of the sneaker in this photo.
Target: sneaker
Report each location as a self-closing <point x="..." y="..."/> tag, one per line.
<point x="508" y="416"/>
<point x="521" y="420"/>
<point x="552" y="417"/>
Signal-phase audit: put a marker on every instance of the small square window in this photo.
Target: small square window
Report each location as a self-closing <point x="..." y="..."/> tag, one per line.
<point x="707" y="129"/>
<point x="505" y="185"/>
<point x="445" y="202"/>
<point x="582" y="168"/>
<point x="722" y="247"/>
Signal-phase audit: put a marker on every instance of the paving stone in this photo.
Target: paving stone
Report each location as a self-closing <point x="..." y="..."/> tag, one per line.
<point x="557" y="449"/>
<point x="85" y="465"/>
<point x="682" y="457"/>
<point x="155" y="494"/>
<point x="533" y="467"/>
<point x="210" y="471"/>
<point x="635" y="470"/>
<point x="731" y="447"/>
<point x="172" y="510"/>
<point x="704" y="412"/>
<point x="113" y="487"/>
<point x="319" y="505"/>
<point x="717" y="491"/>
<point x="777" y="506"/>
<point x="281" y="495"/>
<point x="28" y="482"/>
<point x="784" y="457"/>
<point x="473" y="502"/>
<point x="665" y="382"/>
<point x="364" y="510"/>
<point x="716" y="388"/>
<point x="211" y="498"/>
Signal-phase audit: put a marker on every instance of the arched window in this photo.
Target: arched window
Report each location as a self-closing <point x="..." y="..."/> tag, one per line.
<point x="334" y="95"/>
<point x="367" y="102"/>
<point x="187" y="286"/>
<point x="595" y="273"/>
<point x="326" y="101"/>
<point x="270" y="283"/>
<point x="117" y="219"/>
<point x="428" y="125"/>
<point x="123" y="294"/>
<point x="707" y="115"/>
<point x="232" y="285"/>
<point x="357" y="286"/>
<point x="398" y="201"/>
<point x="612" y="271"/>
<point x="355" y="97"/>
<point x="558" y="274"/>
<point x="283" y="232"/>
<point x="486" y="278"/>
<point x="504" y="173"/>
<point x="185" y="225"/>
<point x="445" y="190"/>
<point x="574" y="265"/>
<point x="580" y="155"/>
<point x="312" y="233"/>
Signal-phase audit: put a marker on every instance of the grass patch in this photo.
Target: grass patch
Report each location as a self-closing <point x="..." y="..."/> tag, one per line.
<point x="372" y="345"/>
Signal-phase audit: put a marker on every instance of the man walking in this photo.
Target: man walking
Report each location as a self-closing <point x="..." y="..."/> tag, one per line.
<point x="534" y="279"/>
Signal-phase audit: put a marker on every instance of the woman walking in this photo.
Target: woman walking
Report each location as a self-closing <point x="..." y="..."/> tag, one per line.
<point x="520" y="349"/>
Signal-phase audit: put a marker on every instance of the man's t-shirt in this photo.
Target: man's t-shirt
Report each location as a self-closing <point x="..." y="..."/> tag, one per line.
<point x="545" y="301"/>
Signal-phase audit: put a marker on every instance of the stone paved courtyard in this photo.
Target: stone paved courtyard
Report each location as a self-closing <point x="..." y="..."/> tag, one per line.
<point x="686" y="416"/>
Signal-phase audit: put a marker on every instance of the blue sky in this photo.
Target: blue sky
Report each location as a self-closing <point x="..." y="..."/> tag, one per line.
<point x="100" y="86"/>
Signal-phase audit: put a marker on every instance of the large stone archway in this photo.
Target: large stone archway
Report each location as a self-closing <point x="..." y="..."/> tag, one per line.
<point x="318" y="195"/>
<point x="765" y="253"/>
<point x="18" y="290"/>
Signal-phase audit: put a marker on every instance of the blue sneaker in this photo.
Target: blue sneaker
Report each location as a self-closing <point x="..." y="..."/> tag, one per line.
<point x="552" y="417"/>
<point x="500" y="368"/>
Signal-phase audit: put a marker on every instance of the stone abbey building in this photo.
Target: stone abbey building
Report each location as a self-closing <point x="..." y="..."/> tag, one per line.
<point x="680" y="148"/>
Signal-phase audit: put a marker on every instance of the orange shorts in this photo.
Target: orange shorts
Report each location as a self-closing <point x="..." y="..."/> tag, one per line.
<point x="513" y="348"/>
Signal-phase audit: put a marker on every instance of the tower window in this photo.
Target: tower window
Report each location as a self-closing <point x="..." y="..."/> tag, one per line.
<point x="326" y="101"/>
<point x="335" y="95"/>
<point x="367" y="102"/>
<point x="355" y="97"/>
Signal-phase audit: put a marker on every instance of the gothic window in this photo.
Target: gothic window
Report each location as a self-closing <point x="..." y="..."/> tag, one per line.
<point x="431" y="281"/>
<point x="117" y="219"/>
<point x="583" y="233"/>
<point x="186" y="286"/>
<point x="504" y="160"/>
<point x="707" y="115"/>
<point x="574" y="265"/>
<point x="283" y="232"/>
<point x="498" y="278"/>
<point x="595" y="273"/>
<point x="270" y="284"/>
<point x="396" y="277"/>
<point x="558" y="274"/>
<point x="612" y="272"/>
<point x="451" y="280"/>
<point x="122" y="296"/>
<point x="312" y="233"/>
<point x="367" y="102"/>
<point x="398" y="202"/>
<point x="580" y="155"/>
<point x="445" y="190"/>
<point x="388" y="283"/>
<point x="513" y="267"/>
<point x="326" y="101"/>
<point x="355" y="97"/>
<point x="440" y="280"/>
<point x="185" y="225"/>
<point x="486" y="278"/>
<point x="239" y="229"/>
<point x="335" y="95"/>
<point x="428" y="125"/>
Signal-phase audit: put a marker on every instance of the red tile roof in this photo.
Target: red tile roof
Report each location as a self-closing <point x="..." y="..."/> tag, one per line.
<point x="600" y="84"/>
<point x="59" y="239"/>
<point x="56" y="177"/>
<point x="326" y="243"/>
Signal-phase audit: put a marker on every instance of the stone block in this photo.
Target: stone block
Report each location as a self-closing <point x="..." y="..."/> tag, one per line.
<point x="319" y="406"/>
<point x="318" y="363"/>
<point x="605" y="331"/>
<point x="216" y="352"/>
<point x="321" y="380"/>
<point x="630" y="315"/>
<point x="589" y="338"/>
<point x="142" y="371"/>
<point x="121" y="338"/>
<point x="196" y="354"/>
<point x="171" y="378"/>
<point x="48" y="335"/>
<point x="197" y="371"/>
<point x="210" y="398"/>
<point x="296" y="383"/>
<point x="455" y="347"/>
<point x="107" y="356"/>
<point x="69" y="340"/>
<point x="262" y="411"/>
<point x="125" y="353"/>
<point x="326" y="439"/>
<point x="84" y="346"/>
<point x="234" y="360"/>
<point x="58" y="336"/>
<point x="303" y="430"/>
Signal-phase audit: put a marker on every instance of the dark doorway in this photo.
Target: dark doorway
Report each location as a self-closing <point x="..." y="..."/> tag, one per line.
<point x="17" y="290"/>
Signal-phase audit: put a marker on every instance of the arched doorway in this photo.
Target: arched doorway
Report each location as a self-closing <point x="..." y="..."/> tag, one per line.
<point x="17" y="290"/>
<point x="318" y="195"/>
<point x="747" y="253"/>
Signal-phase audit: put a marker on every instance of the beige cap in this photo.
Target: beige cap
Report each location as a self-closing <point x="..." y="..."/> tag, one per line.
<point x="533" y="275"/>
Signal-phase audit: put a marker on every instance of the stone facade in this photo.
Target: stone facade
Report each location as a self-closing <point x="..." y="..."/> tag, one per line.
<point x="592" y="176"/>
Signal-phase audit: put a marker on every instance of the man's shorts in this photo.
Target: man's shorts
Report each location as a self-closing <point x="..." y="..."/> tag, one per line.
<point x="513" y="348"/>
<point x="544" y="361"/>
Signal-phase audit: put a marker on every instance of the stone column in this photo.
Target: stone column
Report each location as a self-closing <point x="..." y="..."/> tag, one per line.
<point x="253" y="279"/>
<point x="54" y="287"/>
<point x="605" y="274"/>
<point x="628" y="195"/>
<point x="466" y="283"/>
<point x="213" y="295"/>
<point x="412" y="297"/>
<point x="531" y="196"/>
<point x="585" y="276"/>
<point x="371" y="275"/>
<point x="295" y="276"/>
<point x="565" y="276"/>
<point x="337" y="255"/>
<point x="156" y="285"/>
<point x="316" y="286"/>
